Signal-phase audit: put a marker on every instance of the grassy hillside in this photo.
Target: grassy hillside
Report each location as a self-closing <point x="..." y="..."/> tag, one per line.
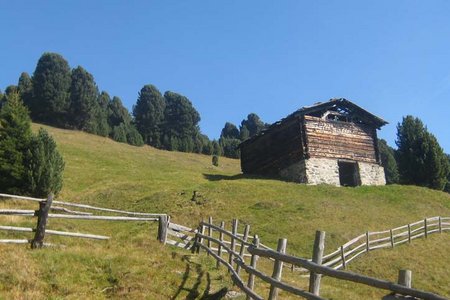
<point x="133" y="265"/>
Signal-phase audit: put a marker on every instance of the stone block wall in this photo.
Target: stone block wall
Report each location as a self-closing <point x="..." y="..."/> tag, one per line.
<point x="371" y="174"/>
<point x="326" y="171"/>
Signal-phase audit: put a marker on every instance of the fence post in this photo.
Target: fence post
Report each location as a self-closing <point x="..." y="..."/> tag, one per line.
<point x="241" y="250"/>
<point x="426" y="227"/>
<point x="319" y="246"/>
<point x="253" y="260"/>
<point x="343" y="257"/>
<point x="440" y="224"/>
<point x="277" y="269"/>
<point x="367" y="241"/>
<point x="409" y="233"/>
<point x="392" y="238"/>
<point x="405" y="277"/>
<point x="163" y="225"/>
<point x="200" y="240"/>
<point x="210" y="221"/>
<point x="234" y="227"/>
<point x="42" y="214"/>
<point x="219" y="247"/>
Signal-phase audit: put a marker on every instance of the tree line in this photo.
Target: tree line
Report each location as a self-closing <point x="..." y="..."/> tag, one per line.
<point x="59" y="96"/>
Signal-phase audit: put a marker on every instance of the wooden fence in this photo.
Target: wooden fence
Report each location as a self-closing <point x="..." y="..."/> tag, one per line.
<point x="44" y="213"/>
<point x="384" y="239"/>
<point x="234" y="250"/>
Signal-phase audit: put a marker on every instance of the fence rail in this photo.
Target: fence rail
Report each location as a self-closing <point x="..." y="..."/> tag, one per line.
<point x="43" y="213"/>
<point x="234" y="253"/>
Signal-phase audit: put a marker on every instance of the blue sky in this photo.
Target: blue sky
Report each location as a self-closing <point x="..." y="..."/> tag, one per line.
<point x="234" y="57"/>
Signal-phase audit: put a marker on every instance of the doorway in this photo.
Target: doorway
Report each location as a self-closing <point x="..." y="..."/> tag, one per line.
<point x="349" y="173"/>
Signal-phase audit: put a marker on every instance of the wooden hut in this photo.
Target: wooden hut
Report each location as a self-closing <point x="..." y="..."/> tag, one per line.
<point x="333" y="142"/>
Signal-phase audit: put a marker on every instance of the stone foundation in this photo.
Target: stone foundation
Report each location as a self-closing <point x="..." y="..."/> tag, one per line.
<point x="322" y="171"/>
<point x="326" y="171"/>
<point x="371" y="174"/>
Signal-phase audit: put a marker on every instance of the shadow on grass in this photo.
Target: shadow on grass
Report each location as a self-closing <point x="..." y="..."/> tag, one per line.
<point x="218" y="177"/>
<point x="195" y="269"/>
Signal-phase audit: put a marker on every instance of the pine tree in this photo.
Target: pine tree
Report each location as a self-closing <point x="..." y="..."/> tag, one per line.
<point x="83" y="101"/>
<point x="25" y="87"/>
<point x="388" y="162"/>
<point x="230" y="131"/>
<point x="101" y="115"/>
<point x="15" y="136"/>
<point x="421" y="161"/>
<point x="180" y="122"/>
<point x="45" y="167"/>
<point x="51" y="84"/>
<point x="253" y="124"/>
<point x="149" y="114"/>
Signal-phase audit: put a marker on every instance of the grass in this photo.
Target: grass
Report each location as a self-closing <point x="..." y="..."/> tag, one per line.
<point x="133" y="265"/>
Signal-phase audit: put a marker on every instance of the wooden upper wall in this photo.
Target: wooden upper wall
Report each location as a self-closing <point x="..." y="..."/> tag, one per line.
<point x="274" y="150"/>
<point x="340" y="140"/>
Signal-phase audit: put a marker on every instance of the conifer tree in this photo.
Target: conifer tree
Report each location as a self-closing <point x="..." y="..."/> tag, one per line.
<point x="45" y="167"/>
<point x="149" y="114"/>
<point x="25" y="88"/>
<point x="421" y="160"/>
<point x="51" y="84"/>
<point x="388" y="162"/>
<point x="15" y="136"/>
<point x="83" y="101"/>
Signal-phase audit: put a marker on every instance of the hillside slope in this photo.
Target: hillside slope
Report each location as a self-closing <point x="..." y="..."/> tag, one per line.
<point x="132" y="265"/>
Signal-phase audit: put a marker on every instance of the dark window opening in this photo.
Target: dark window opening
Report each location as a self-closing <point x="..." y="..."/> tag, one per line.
<point x="349" y="173"/>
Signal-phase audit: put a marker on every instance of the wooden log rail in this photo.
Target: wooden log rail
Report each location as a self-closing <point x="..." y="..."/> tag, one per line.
<point x="84" y="206"/>
<point x="55" y="232"/>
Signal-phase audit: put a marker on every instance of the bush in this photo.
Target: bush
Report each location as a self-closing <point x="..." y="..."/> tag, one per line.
<point x="215" y="160"/>
<point x="46" y="166"/>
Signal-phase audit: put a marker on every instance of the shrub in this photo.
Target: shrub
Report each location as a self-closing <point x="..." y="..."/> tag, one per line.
<point x="215" y="160"/>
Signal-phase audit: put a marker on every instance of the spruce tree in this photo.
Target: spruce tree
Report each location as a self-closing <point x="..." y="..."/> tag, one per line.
<point x="15" y="136"/>
<point x="388" y="162"/>
<point x="149" y="114"/>
<point x="83" y="101"/>
<point x="45" y="167"/>
<point x="230" y="131"/>
<point x="101" y="115"/>
<point x="25" y="87"/>
<point x="51" y="84"/>
<point x="421" y="161"/>
<point x="253" y="124"/>
<point x="180" y="123"/>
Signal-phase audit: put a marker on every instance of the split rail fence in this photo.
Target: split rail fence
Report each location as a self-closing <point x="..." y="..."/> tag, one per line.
<point x="237" y="253"/>
<point x="47" y="206"/>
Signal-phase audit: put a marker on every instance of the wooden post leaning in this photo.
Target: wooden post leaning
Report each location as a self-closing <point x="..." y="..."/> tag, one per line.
<point x="319" y="246"/>
<point x="219" y="247"/>
<point x="367" y="241"/>
<point x="241" y="250"/>
<point x="163" y="226"/>
<point x="42" y="214"/>
<point x="253" y="260"/>
<point x="277" y="269"/>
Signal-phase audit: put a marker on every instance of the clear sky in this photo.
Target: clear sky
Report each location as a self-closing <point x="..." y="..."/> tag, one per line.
<point x="234" y="57"/>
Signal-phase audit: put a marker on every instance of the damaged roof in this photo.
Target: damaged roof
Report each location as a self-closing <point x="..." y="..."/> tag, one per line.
<point x="335" y="104"/>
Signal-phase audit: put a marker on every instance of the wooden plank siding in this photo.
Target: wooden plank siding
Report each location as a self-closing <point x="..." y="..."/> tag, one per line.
<point x="340" y="140"/>
<point x="273" y="150"/>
